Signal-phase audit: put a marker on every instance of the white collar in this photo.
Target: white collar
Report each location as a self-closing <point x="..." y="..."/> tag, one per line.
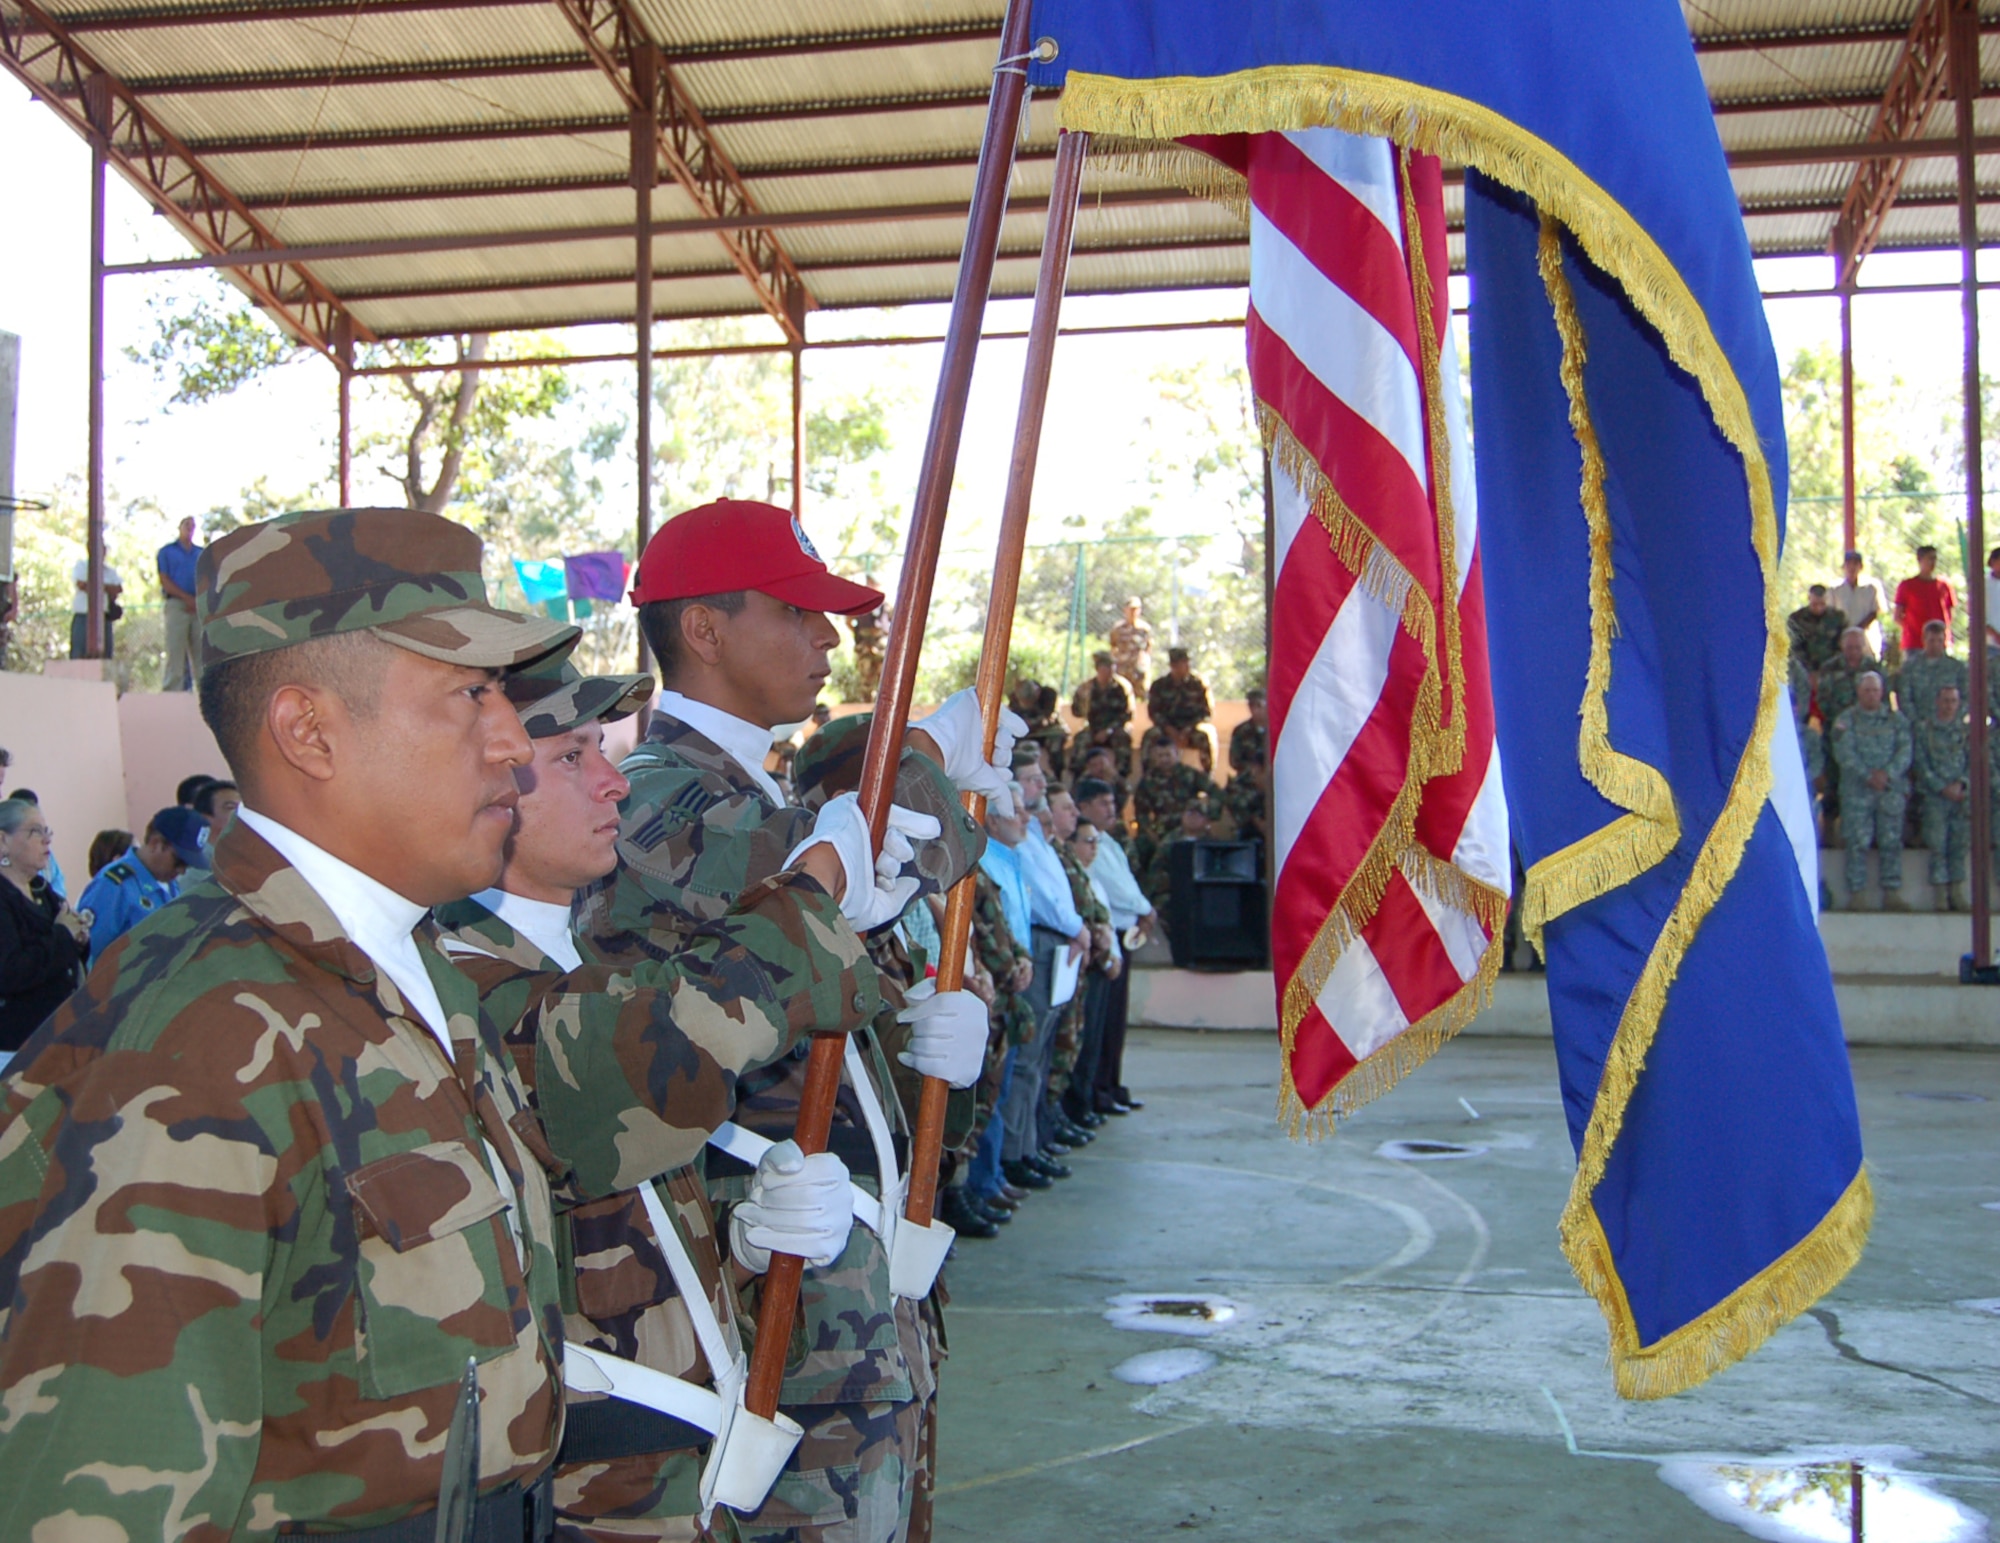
<point x="376" y="919"/>
<point x="542" y="922"/>
<point x="746" y="743"/>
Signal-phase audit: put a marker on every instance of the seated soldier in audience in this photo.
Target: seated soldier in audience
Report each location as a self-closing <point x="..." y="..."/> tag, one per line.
<point x="1940" y="769"/>
<point x="1167" y="788"/>
<point x="1195" y="823"/>
<point x="1106" y="709"/>
<point x="1871" y="741"/>
<point x="1036" y="704"/>
<point x="1815" y="630"/>
<point x="1249" y="741"/>
<point x="1835" y="693"/>
<point x="1101" y="765"/>
<point x="1924" y="674"/>
<point x="1178" y="705"/>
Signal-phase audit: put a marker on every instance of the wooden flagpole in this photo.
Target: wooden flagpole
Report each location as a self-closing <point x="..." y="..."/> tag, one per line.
<point x="913" y="598"/>
<point x="1071" y="149"/>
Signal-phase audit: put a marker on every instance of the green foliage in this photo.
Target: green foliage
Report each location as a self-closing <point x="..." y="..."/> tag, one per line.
<point x="209" y="342"/>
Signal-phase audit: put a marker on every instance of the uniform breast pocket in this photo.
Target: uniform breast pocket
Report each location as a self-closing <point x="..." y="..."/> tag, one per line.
<point x="436" y="1284"/>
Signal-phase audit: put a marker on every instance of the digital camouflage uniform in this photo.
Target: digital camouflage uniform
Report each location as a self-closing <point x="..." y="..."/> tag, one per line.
<point x="1865" y="742"/>
<point x="1942" y="755"/>
<point x="1106" y="710"/>
<point x="1836" y="692"/>
<point x="1181" y="705"/>
<point x="1816" y="639"/>
<point x="698" y="831"/>
<point x="1157" y="804"/>
<point x="254" y="1219"/>
<point x="1920" y="680"/>
<point x="742" y="993"/>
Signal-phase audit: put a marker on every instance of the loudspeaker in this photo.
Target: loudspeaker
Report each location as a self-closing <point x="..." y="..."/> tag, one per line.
<point x="1216" y="908"/>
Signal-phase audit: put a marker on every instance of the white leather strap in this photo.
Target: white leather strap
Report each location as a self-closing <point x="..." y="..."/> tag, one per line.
<point x="593" y="1371"/>
<point x="723" y="1356"/>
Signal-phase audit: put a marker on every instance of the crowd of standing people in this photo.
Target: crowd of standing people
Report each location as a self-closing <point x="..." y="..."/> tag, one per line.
<point x="1882" y="706"/>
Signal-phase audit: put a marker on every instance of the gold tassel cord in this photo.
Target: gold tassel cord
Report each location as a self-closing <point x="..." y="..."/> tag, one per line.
<point x="1302" y="96"/>
<point x="1626" y="848"/>
<point x="1182" y="165"/>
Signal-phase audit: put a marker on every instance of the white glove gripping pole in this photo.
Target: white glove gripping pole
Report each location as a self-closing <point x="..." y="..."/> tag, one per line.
<point x="748" y="1452"/>
<point x="958" y="729"/>
<point x="875" y="893"/>
<point x="916" y="1254"/>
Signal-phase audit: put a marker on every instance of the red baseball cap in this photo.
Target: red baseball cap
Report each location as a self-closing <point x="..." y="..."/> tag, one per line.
<point x="737" y="543"/>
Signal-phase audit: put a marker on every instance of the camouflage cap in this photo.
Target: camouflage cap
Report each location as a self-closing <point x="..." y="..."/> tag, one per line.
<point x="409" y="577"/>
<point x="553" y="699"/>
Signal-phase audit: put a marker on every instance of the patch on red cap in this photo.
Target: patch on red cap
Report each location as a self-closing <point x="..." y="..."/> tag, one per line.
<point x="736" y="544"/>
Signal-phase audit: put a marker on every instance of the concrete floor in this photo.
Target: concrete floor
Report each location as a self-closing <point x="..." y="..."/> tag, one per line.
<point x="1414" y="1359"/>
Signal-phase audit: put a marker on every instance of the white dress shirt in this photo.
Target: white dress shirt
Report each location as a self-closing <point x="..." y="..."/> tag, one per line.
<point x="1049" y="900"/>
<point x="542" y="922"/>
<point x="376" y="919"/>
<point x="1112" y="869"/>
<point x="746" y="743"/>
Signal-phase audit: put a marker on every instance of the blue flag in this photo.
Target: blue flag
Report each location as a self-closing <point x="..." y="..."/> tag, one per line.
<point x="1630" y="452"/>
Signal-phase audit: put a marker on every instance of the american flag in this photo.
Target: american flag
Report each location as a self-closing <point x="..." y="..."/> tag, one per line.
<point x="1389" y="824"/>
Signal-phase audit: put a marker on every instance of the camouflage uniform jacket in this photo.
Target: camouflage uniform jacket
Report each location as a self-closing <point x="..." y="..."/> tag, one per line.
<point x="697" y="832"/>
<point x="1245" y="804"/>
<point x="998" y="950"/>
<point x="1816" y="639"/>
<point x="1920" y="680"/>
<point x="1865" y="742"/>
<point x="249" y="1234"/>
<point x="1838" y="685"/>
<point x="742" y="993"/>
<point x="1249" y="745"/>
<point x="1941" y="753"/>
<point x="1102" y="707"/>
<point x="1160" y="797"/>
<point x="1177" y="704"/>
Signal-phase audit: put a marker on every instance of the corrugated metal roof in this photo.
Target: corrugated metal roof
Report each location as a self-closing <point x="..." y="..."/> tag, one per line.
<point x="330" y="122"/>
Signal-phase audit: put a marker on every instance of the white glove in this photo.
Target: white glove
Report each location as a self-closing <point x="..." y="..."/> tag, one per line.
<point x="798" y="1205"/>
<point x="876" y="893"/>
<point x="948" y="1032"/>
<point x="959" y="730"/>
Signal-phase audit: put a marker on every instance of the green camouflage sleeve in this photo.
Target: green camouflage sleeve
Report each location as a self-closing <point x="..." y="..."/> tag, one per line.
<point x="635" y="1069"/>
<point x="692" y="843"/>
<point x="1899" y="757"/>
<point x="1843" y="743"/>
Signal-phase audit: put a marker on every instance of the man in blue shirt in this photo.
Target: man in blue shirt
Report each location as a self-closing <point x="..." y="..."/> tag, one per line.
<point x="176" y="565"/>
<point x="132" y="887"/>
<point x="1057" y="930"/>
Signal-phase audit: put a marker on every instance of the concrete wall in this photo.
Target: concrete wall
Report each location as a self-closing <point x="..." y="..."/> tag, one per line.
<point x="164" y="740"/>
<point x="65" y="740"/>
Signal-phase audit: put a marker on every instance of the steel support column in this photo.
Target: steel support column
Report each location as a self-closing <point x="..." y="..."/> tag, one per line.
<point x="97" y="105"/>
<point x="343" y="363"/>
<point x="1965" y="72"/>
<point x="1847" y="523"/>
<point x="798" y="430"/>
<point x="645" y="65"/>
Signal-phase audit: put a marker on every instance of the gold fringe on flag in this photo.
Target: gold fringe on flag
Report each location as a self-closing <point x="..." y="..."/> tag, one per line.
<point x="1289" y="97"/>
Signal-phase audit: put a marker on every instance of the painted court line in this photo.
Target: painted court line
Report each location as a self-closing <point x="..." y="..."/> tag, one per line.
<point x="1065" y="1461"/>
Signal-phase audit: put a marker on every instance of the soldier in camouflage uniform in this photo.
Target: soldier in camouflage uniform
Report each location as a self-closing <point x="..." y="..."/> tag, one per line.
<point x="1194" y="825"/>
<point x="1871" y="741"/>
<point x="1099" y="765"/>
<point x="747" y="651"/>
<point x="1941" y="768"/>
<point x="1131" y="642"/>
<point x="1106" y="709"/>
<point x="784" y="960"/>
<point x="1834" y="694"/>
<point x="1073" y="1129"/>
<point x="1250" y="740"/>
<point x="1178" y="706"/>
<point x="1815" y="630"/>
<point x="1167" y="788"/>
<point x="268" y="1180"/>
<point x="1036" y="705"/>
<point x="1924" y="674"/>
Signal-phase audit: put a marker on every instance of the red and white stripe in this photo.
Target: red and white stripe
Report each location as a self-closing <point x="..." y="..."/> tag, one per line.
<point x="1336" y="357"/>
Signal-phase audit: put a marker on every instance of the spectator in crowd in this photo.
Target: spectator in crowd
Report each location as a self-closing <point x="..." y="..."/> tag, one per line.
<point x="1106" y="709"/>
<point x="176" y="565"/>
<point x="1061" y="1113"/>
<point x="1249" y="741"/>
<point x="1107" y="966"/>
<point x="1036" y="704"/>
<point x="1101" y="765"/>
<point x="79" y="608"/>
<point x="1002" y="928"/>
<point x="1941" y="769"/>
<point x="1924" y="598"/>
<point x="134" y="886"/>
<point x="1993" y="607"/>
<point x="51" y="874"/>
<point x="1837" y="691"/>
<point x="1195" y="824"/>
<point x="1871" y="741"/>
<point x="1925" y="672"/>
<point x="1167" y="788"/>
<point x="216" y="803"/>
<point x="1178" y="705"/>
<point x="1860" y="601"/>
<point x="190" y="788"/>
<point x="1056" y="931"/>
<point x="1133" y="918"/>
<point x="43" y="943"/>
<point x="106" y="847"/>
<point x="1815" y="630"/>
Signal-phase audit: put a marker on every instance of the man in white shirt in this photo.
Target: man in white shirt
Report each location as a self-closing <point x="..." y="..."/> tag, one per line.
<point x="1097" y="802"/>
<point x="79" y="606"/>
<point x="1993" y="602"/>
<point x="1860" y="601"/>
